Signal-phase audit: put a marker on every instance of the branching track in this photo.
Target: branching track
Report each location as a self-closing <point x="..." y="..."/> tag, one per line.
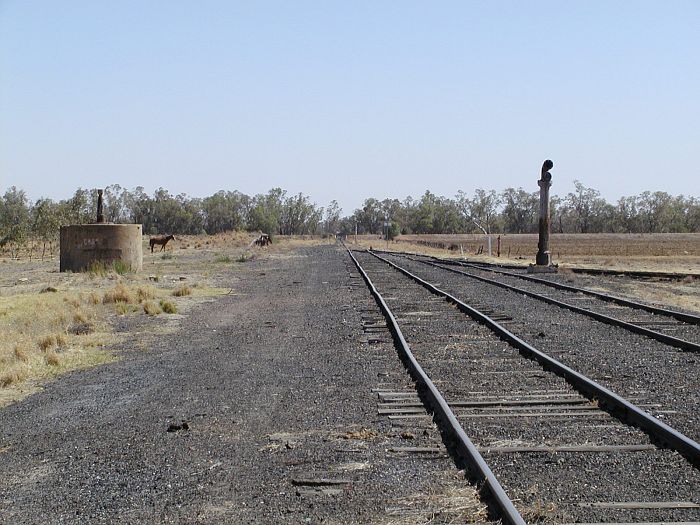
<point x="677" y="329"/>
<point x="556" y="442"/>
<point x="624" y="361"/>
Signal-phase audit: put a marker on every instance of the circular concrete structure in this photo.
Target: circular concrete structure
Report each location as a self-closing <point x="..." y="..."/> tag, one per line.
<point x="85" y="244"/>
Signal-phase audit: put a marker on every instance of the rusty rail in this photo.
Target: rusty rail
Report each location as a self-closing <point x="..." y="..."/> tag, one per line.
<point x="464" y="445"/>
<point x="653" y="334"/>
<point x="681" y="316"/>
<point x="616" y="405"/>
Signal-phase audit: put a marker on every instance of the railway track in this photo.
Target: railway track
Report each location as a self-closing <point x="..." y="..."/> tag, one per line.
<point x="555" y="442"/>
<point x="678" y="329"/>
<point x="633" y="274"/>
<point x="623" y="361"/>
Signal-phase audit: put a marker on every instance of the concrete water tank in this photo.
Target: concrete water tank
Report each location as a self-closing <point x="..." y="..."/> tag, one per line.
<point x="85" y="244"/>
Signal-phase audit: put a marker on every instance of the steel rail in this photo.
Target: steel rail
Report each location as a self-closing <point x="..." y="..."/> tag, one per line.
<point x="465" y="447"/>
<point x="664" y="338"/>
<point x="634" y="274"/>
<point x="616" y="405"/>
<point x="681" y="316"/>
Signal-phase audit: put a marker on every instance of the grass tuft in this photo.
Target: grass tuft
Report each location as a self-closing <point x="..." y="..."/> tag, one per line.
<point x="15" y="374"/>
<point x="123" y="308"/>
<point x="46" y="342"/>
<point x="182" y="290"/>
<point x="97" y="269"/>
<point x="120" y="267"/>
<point x="143" y="293"/>
<point x="168" y="307"/>
<point x="74" y="302"/>
<point x="21" y="353"/>
<point x="52" y="358"/>
<point x="220" y="258"/>
<point x="101" y="268"/>
<point x="151" y="308"/>
<point x="363" y="434"/>
<point x="119" y="294"/>
<point x="61" y="340"/>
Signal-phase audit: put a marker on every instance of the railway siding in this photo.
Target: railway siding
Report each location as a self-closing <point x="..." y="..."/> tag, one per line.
<point x="552" y="449"/>
<point x="630" y="364"/>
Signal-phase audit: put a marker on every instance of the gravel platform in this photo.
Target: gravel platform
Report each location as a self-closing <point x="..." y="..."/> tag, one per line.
<point x="261" y="408"/>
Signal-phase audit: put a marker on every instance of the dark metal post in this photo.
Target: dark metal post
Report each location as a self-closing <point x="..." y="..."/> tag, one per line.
<point x="100" y="213"/>
<point x="543" y="259"/>
<point x="543" y="255"/>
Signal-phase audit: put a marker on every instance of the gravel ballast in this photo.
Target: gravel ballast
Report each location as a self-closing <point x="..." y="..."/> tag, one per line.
<point x="470" y="364"/>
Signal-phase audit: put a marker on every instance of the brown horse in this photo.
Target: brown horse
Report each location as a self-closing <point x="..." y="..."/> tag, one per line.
<point x="161" y="240"/>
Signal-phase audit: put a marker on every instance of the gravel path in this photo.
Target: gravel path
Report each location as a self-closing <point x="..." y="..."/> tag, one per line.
<point x="261" y="408"/>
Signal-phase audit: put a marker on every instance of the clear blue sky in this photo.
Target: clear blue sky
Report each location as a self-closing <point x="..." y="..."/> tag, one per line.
<point x="348" y="100"/>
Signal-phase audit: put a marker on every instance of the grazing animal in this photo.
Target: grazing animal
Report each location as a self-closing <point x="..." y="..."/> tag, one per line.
<point x="161" y="240"/>
<point x="263" y="240"/>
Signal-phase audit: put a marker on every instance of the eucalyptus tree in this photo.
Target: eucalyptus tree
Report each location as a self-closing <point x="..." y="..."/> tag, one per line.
<point x="46" y="223"/>
<point x="14" y="220"/>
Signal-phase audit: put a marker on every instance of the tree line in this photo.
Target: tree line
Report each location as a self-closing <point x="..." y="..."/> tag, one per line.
<point x="512" y="210"/>
<point x="279" y="213"/>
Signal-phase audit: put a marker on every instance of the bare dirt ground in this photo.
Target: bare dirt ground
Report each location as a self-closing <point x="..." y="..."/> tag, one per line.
<point x="257" y="406"/>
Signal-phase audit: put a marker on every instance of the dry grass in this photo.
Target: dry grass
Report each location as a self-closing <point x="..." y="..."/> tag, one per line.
<point x="13" y="374"/>
<point x="52" y="358"/>
<point x="119" y="294"/>
<point x="449" y="504"/>
<point x="43" y="335"/>
<point x="35" y="342"/>
<point x="168" y="307"/>
<point x="144" y="293"/>
<point x="182" y="290"/>
<point x="151" y="308"/>
<point x="22" y="353"/>
<point x="45" y="343"/>
<point x="362" y="434"/>
<point x="122" y="308"/>
<point x="684" y="295"/>
<point x="536" y="510"/>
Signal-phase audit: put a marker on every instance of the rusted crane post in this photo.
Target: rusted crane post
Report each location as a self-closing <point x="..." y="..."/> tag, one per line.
<point x="543" y="259"/>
